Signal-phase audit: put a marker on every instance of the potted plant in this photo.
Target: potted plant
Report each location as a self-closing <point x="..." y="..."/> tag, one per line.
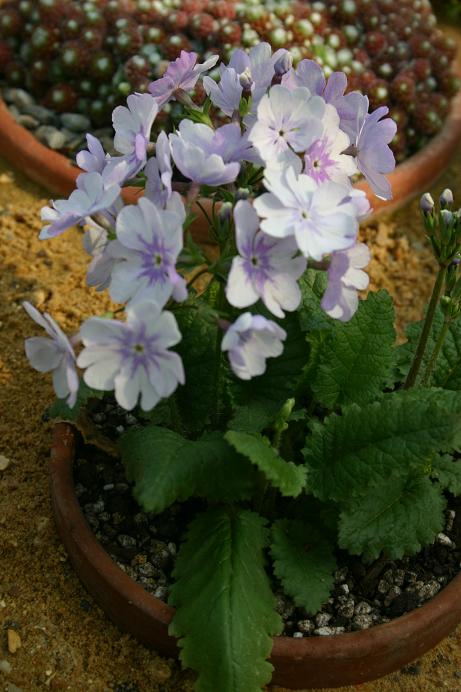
<point x="270" y="393"/>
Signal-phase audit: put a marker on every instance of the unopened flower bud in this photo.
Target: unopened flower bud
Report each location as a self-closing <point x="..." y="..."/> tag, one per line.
<point x="283" y="64"/>
<point x="242" y="193"/>
<point x="447" y="217"/>
<point x="225" y="212"/>
<point x="246" y="81"/>
<point x="446" y="198"/>
<point x="426" y="203"/>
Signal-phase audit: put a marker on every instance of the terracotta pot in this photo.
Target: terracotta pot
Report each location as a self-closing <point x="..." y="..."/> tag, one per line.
<point x="311" y="662"/>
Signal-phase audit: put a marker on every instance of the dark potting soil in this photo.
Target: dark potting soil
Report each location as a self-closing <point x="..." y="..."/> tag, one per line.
<point x="144" y="546"/>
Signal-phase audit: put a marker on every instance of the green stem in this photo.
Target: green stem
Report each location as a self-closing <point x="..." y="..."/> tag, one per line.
<point x="422" y="344"/>
<point x="218" y="356"/>
<point x="436" y="351"/>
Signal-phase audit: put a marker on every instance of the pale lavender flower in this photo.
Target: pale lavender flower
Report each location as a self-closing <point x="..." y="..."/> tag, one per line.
<point x="104" y="255"/>
<point x="159" y="173"/>
<point x="324" y="159"/>
<point x="265" y="269"/>
<point x="150" y="240"/>
<point x="181" y="74"/>
<point x="90" y="197"/>
<point x="132" y="357"/>
<point x="345" y="278"/>
<point x="133" y="125"/>
<point x="207" y="156"/>
<point x="321" y="218"/>
<point x="250" y="340"/>
<point x="370" y="146"/>
<point x="54" y="354"/>
<point x="227" y="93"/>
<point x="93" y="159"/>
<point x="309" y="74"/>
<point x="286" y="121"/>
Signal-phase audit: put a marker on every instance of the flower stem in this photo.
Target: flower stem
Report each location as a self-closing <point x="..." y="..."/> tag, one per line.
<point x="218" y="357"/>
<point x="422" y="344"/>
<point x="436" y="351"/>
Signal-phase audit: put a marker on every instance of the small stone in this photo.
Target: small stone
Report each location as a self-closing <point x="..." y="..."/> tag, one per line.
<point x="306" y="626"/>
<point x="444" y="540"/>
<point x="297" y="635"/>
<point x="172" y="548"/>
<point x="18" y="97"/>
<point x="393" y="592"/>
<point x="4" y="463"/>
<point x="5" y="667"/>
<point x="429" y="590"/>
<point x="346" y="609"/>
<point x="451" y="514"/>
<point x="362" y="622"/>
<point x="27" y="121"/>
<point x="412" y="669"/>
<point x="130" y="419"/>
<point x="51" y="136"/>
<point x="161" y="592"/>
<point x="383" y="586"/>
<point x="328" y="631"/>
<point x="126" y="541"/>
<point x="344" y="588"/>
<point x="322" y="619"/>
<point x="14" y="641"/>
<point x="362" y="608"/>
<point x="399" y="577"/>
<point x="120" y="429"/>
<point x="40" y="113"/>
<point x="341" y="574"/>
<point x="75" y="122"/>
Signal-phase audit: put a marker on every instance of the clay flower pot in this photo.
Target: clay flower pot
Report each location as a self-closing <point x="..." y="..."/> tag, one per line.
<point x="330" y="661"/>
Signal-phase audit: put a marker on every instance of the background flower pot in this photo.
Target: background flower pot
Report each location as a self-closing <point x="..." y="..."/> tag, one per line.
<point x="311" y="662"/>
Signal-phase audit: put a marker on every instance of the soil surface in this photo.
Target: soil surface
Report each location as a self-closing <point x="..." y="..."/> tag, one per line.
<point x="53" y="635"/>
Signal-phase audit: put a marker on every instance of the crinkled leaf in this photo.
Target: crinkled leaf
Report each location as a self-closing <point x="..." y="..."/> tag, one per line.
<point x="259" y="400"/>
<point x="313" y="284"/>
<point x="396" y="517"/>
<point x="447" y="370"/>
<point x="447" y="470"/>
<point x="289" y="478"/>
<point x="355" y="360"/>
<point x="165" y="468"/>
<point x="304" y="562"/>
<point x="363" y="446"/>
<point x="61" y="411"/>
<point x="225" y="610"/>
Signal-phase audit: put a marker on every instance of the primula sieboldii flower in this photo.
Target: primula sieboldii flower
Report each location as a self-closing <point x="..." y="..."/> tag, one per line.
<point x="250" y="340"/>
<point x="159" y="173"/>
<point x="90" y="197"/>
<point x="181" y="74"/>
<point x="227" y="93"/>
<point x="308" y="74"/>
<point x="132" y="357"/>
<point x="370" y="145"/>
<point x="345" y="278"/>
<point x="265" y="269"/>
<point x="324" y="159"/>
<point x="207" y="156"/>
<point x="149" y="242"/>
<point x="133" y="125"/>
<point x="54" y="354"/>
<point x="322" y="218"/>
<point x="104" y="255"/>
<point x="93" y="159"/>
<point x="286" y="121"/>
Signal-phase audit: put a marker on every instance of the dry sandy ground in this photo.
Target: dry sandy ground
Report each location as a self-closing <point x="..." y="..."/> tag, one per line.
<point x="66" y="643"/>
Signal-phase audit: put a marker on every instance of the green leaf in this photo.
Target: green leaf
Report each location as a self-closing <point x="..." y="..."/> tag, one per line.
<point x="447" y="471"/>
<point x="61" y="411"/>
<point x="304" y="563"/>
<point x="313" y="284"/>
<point x="289" y="478"/>
<point x="366" y="444"/>
<point x="198" y="352"/>
<point x="355" y="361"/>
<point x="447" y="371"/>
<point x="397" y="517"/>
<point x="225" y="611"/>
<point x="260" y="399"/>
<point x="165" y="468"/>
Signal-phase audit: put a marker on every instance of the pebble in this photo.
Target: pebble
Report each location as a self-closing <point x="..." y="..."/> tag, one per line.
<point x="27" y="121"/>
<point x="306" y="626"/>
<point x="429" y="590"/>
<point x="347" y="608"/>
<point x="451" y="514"/>
<point x="322" y="619"/>
<point x="75" y="122"/>
<point x="14" y="641"/>
<point x="40" y="113"/>
<point x="161" y="592"/>
<point x="328" y="631"/>
<point x="5" y="666"/>
<point x="362" y="622"/>
<point x="297" y="635"/>
<point x="362" y="608"/>
<point x="4" y="463"/>
<point x="443" y="539"/>
<point x="126" y="541"/>
<point x="393" y="592"/>
<point x="51" y="136"/>
<point x="18" y="97"/>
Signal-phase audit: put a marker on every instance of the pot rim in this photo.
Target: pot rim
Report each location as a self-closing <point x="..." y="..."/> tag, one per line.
<point x="436" y="618"/>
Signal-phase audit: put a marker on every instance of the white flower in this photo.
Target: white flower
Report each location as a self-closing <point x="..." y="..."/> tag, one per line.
<point x="159" y="173"/>
<point x="322" y="219"/>
<point x="265" y="268"/>
<point x="132" y="357"/>
<point x="90" y="197"/>
<point x="345" y="278"/>
<point x="287" y="120"/>
<point x="149" y="242"/>
<point x="54" y="354"/>
<point x="132" y="127"/>
<point x="250" y="341"/>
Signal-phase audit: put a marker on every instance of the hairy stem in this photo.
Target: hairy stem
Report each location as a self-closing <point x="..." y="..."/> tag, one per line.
<point x="422" y="344"/>
<point x="435" y="353"/>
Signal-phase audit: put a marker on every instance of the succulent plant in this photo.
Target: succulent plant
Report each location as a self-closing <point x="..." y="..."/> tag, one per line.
<point x="64" y="51"/>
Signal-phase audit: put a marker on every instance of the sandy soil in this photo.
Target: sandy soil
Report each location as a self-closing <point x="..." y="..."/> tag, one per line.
<point x="65" y="641"/>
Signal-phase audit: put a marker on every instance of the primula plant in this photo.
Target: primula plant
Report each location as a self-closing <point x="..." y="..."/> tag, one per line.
<point x="266" y="388"/>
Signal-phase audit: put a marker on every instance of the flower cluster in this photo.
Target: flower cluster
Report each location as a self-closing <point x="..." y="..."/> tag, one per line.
<point x="278" y="175"/>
